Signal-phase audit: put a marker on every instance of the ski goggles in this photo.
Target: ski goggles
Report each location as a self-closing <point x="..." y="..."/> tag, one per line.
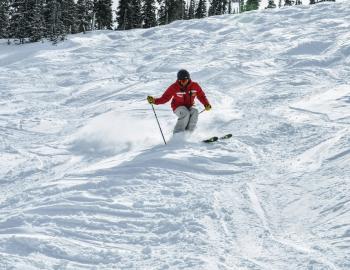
<point x="183" y="81"/>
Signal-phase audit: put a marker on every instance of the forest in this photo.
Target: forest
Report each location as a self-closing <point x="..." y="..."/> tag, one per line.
<point x="24" y="21"/>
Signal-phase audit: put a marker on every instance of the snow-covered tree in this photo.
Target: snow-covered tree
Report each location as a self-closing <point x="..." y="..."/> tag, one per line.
<point x="201" y="11"/>
<point x="251" y="5"/>
<point x="85" y="10"/>
<point x="103" y="14"/>
<point x="184" y="9"/>
<point x="213" y="8"/>
<point x="4" y="18"/>
<point x="171" y="10"/>
<point x="149" y="13"/>
<point x="129" y="14"/>
<point x="36" y="21"/>
<point x="271" y="4"/>
<point x="18" y="28"/>
<point x="163" y="14"/>
<point x="229" y="7"/>
<point x="218" y="7"/>
<point x="136" y="14"/>
<point x="124" y="12"/>
<point x="55" y="29"/>
<point x="192" y="9"/>
<point x="69" y="16"/>
<point x="233" y="6"/>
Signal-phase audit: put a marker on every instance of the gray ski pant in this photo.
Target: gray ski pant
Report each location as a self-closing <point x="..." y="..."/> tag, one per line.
<point x="187" y="119"/>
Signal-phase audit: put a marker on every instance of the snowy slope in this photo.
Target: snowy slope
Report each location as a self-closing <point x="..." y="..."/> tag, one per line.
<point x="86" y="182"/>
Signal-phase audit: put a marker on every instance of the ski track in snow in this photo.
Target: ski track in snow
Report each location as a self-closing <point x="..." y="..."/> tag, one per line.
<point x="86" y="182"/>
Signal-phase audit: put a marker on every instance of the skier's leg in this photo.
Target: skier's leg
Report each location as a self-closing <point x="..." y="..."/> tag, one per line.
<point x="183" y="115"/>
<point x="192" y="123"/>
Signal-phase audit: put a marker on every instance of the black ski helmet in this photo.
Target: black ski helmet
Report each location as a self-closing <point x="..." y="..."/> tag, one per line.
<point x="183" y="75"/>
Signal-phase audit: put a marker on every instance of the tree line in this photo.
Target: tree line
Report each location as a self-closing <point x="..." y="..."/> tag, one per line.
<point x="35" y="20"/>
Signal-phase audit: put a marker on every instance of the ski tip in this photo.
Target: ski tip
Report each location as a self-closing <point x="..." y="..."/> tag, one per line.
<point x="227" y="136"/>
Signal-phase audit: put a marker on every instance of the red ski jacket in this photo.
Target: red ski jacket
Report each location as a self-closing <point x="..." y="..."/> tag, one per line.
<point x="182" y="95"/>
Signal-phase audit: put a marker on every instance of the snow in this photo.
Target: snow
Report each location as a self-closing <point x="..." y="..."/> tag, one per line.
<point x="87" y="182"/>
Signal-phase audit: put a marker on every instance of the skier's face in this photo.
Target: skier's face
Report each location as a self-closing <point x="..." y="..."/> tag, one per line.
<point x="183" y="82"/>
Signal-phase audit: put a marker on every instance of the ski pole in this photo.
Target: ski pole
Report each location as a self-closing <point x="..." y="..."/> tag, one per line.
<point x="201" y="111"/>
<point x="158" y="124"/>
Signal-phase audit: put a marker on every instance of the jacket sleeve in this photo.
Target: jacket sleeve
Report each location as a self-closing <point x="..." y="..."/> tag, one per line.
<point x="201" y="95"/>
<point x="168" y="94"/>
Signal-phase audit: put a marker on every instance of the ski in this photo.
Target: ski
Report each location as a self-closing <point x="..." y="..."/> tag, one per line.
<point x="227" y="136"/>
<point x="210" y="140"/>
<point x="215" y="138"/>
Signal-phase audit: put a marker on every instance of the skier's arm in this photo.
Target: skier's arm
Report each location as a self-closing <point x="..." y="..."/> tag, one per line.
<point x="201" y="96"/>
<point x="168" y="94"/>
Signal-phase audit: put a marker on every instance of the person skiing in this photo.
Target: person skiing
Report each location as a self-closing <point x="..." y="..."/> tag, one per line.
<point x="183" y="93"/>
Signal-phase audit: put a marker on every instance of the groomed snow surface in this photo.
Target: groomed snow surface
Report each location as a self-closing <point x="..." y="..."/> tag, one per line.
<point x="87" y="182"/>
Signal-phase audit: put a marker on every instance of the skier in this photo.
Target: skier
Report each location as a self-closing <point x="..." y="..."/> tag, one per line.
<point x="183" y="92"/>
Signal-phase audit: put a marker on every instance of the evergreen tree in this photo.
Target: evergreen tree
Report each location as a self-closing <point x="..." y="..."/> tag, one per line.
<point x="69" y="16"/>
<point x="18" y="16"/>
<point x="298" y="2"/>
<point x="230" y="7"/>
<point x="288" y="2"/>
<point x="241" y="6"/>
<point x="55" y="29"/>
<point x="36" y="21"/>
<point x="214" y="8"/>
<point x="4" y="18"/>
<point x="163" y="17"/>
<point x="171" y="10"/>
<point x="85" y="9"/>
<point x="103" y="14"/>
<point x="224" y="6"/>
<point x="191" y="10"/>
<point x="177" y="10"/>
<point x="251" y="5"/>
<point x="136" y="14"/>
<point x="184" y="9"/>
<point x="271" y="4"/>
<point x="201" y="11"/>
<point x="129" y="14"/>
<point x="218" y="7"/>
<point x="149" y="14"/>
<point x="124" y="15"/>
